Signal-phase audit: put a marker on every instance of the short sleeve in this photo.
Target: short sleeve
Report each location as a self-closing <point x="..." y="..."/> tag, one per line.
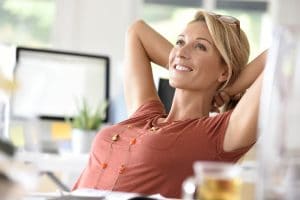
<point x="149" y="108"/>
<point x="216" y="128"/>
<point x="232" y="156"/>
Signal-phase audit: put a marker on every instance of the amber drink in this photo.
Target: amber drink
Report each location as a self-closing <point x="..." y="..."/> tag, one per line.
<point x="218" y="181"/>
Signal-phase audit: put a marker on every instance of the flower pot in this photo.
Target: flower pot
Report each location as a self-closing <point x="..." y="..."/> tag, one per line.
<point x="82" y="140"/>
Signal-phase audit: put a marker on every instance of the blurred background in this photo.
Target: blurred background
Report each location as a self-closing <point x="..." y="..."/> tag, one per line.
<point x="99" y="27"/>
<point x="92" y="27"/>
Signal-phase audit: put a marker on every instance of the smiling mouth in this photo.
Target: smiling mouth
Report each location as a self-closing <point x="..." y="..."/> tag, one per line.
<point x="183" y="68"/>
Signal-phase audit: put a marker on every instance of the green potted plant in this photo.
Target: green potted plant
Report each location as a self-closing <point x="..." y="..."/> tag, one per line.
<point x="85" y="125"/>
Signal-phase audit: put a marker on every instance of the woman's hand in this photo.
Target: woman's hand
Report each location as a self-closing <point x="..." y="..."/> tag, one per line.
<point x="222" y="99"/>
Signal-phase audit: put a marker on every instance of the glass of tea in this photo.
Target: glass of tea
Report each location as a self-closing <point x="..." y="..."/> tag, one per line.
<point x="216" y="181"/>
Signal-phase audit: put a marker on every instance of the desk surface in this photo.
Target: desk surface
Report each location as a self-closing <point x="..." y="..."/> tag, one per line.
<point x="54" y="162"/>
<point x="87" y="194"/>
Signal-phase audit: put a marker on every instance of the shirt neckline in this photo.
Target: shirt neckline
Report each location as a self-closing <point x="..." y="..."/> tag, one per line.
<point x="155" y="123"/>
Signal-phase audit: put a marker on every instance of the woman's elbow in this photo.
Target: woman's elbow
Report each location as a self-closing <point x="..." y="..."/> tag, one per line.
<point x="135" y="27"/>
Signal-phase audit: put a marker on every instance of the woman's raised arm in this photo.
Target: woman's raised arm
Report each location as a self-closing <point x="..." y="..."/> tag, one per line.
<point x="248" y="75"/>
<point x="143" y="45"/>
<point x="242" y="127"/>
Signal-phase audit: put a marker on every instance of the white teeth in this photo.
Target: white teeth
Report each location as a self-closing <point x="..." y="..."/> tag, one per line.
<point x="182" y="68"/>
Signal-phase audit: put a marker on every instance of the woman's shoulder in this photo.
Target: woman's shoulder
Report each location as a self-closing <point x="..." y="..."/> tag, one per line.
<point x="149" y="108"/>
<point x="217" y="121"/>
<point x="146" y="111"/>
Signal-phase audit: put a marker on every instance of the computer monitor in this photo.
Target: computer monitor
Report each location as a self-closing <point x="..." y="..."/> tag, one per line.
<point x="52" y="83"/>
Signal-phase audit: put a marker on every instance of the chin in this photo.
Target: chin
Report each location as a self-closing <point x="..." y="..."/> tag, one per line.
<point x="179" y="82"/>
<point x="176" y="84"/>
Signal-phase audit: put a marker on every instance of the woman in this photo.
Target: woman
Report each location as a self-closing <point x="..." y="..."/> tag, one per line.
<point x="153" y="152"/>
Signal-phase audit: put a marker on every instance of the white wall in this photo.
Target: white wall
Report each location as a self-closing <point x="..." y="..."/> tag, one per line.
<point x="98" y="26"/>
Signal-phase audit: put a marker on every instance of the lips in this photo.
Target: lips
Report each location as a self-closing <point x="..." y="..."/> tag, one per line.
<point x="183" y="68"/>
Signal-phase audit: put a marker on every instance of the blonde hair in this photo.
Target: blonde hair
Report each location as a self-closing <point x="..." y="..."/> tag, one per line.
<point x="230" y="41"/>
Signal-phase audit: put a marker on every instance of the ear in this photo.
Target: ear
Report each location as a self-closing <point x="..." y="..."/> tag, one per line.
<point x="223" y="76"/>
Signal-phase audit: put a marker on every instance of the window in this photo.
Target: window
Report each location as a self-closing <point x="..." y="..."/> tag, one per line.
<point x="171" y="17"/>
<point x="26" y="22"/>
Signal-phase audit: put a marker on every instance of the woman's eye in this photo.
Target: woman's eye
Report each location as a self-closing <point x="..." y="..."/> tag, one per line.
<point x="201" y="46"/>
<point x="179" y="42"/>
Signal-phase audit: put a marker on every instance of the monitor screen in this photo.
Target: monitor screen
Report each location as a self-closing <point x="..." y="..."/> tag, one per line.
<point x="51" y="84"/>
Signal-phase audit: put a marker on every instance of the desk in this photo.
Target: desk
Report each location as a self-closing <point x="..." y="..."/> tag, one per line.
<point x="54" y="162"/>
<point x="89" y="194"/>
<point x="67" y="167"/>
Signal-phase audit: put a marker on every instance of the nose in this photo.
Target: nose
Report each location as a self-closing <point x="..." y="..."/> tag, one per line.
<point x="183" y="52"/>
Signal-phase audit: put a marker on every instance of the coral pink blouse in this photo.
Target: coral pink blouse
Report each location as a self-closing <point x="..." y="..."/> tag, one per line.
<point x="143" y="156"/>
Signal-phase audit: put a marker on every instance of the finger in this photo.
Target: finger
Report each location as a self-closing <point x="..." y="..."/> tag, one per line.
<point x="213" y="106"/>
<point x="225" y="97"/>
<point x="218" y="100"/>
<point x="215" y="109"/>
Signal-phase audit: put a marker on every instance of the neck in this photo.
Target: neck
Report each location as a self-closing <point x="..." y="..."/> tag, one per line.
<point x="190" y="104"/>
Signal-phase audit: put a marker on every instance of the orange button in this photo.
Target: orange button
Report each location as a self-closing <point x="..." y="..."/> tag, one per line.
<point x="129" y="126"/>
<point x="115" y="137"/>
<point x="132" y="141"/>
<point x="103" y="165"/>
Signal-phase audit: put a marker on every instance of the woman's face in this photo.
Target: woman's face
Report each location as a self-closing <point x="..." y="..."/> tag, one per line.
<point x="194" y="62"/>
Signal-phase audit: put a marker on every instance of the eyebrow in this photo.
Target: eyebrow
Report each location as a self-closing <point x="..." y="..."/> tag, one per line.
<point x="199" y="38"/>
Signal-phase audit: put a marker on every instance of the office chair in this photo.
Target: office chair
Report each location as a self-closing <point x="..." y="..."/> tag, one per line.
<point x="165" y="93"/>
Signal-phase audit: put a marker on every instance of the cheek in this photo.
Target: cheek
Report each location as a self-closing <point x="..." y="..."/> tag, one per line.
<point x="171" y="57"/>
<point x="209" y="70"/>
<point x="213" y="64"/>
